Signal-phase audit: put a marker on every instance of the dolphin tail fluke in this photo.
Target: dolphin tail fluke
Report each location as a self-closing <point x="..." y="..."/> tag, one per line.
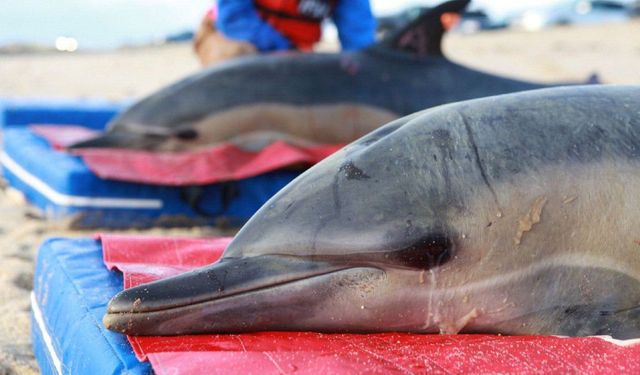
<point x="423" y="36"/>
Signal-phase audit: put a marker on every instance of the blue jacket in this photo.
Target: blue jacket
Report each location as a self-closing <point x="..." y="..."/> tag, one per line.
<point x="239" y="19"/>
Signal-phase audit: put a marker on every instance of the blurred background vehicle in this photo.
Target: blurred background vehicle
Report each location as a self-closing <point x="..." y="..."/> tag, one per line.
<point x="485" y="15"/>
<point x="108" y="24"/>
<point x="573" y="12"/>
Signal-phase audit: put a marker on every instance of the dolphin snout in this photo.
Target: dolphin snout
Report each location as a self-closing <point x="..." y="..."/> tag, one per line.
<point x="232" y="295"/>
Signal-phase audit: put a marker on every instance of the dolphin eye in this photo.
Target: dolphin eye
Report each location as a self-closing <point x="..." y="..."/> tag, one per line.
<point x="186" y="134"/>
<point x="425" y="253"/>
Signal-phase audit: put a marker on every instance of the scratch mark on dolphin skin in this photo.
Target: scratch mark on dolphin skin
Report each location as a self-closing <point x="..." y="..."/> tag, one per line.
<point x="212" y="276"/>
<point x="352" y="172"/>
<point x="483" y="172"/>
<point x="457" y="326"/>
<point x="430" y="304"/>
<point x="324" y="221"/>
<point x="502" y="308"/>
<point x="335" y="194"/>
<point x="530" y="219"/>
<point x="569" y="199"/>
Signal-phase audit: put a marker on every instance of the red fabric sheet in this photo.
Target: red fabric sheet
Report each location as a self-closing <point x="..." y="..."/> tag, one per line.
<point x="62" y="136"/>
<point x="144" y="259"/>
<point x="222" y="162"/>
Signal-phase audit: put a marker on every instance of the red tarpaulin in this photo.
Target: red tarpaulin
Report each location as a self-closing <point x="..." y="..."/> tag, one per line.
<point x="62" y="136"/>
<point x="145" y="259"/>
<point x="221" y="162"/>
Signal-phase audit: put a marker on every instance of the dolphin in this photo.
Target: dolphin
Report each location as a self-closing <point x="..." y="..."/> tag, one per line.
<point x="331" y="98"/>
<point x="515" y="214"/>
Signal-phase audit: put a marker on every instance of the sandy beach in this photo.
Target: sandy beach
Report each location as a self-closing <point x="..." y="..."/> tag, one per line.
<point x="567" y="54"/>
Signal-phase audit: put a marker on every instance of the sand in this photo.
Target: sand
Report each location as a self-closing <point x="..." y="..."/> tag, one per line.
<point x="560" y="54"/>
<point x="554" y="55"/>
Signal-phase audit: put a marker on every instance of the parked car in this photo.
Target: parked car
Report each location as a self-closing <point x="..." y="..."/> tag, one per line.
<point x="179" y="37"/>
<point x="572" y="12"/>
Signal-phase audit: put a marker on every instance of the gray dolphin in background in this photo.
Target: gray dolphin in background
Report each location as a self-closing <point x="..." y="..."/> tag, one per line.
<point x="514" y="214"/>
<point x="320" y="98"/>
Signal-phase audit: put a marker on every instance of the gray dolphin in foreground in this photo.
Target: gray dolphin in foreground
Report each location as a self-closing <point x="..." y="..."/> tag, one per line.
<point x="301" y="98"/>
<point x="515" y="214"/>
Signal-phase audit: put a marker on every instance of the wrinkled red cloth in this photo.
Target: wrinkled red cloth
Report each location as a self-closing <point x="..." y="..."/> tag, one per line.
<point x="62" y="136"/>
<point x="145" y="259"/>
<point x="221" y="162"/>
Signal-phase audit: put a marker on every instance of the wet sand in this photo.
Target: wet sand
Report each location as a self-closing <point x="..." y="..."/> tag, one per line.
<point x="560" y="54"/>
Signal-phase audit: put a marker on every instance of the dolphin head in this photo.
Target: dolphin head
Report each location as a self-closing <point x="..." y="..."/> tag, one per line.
<point x="347" y="246"/>
<point x="420" y="226"/>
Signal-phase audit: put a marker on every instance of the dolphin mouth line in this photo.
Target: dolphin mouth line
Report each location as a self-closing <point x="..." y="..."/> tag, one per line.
<point x="140" y="322"/>
<point x="229" y="296"/>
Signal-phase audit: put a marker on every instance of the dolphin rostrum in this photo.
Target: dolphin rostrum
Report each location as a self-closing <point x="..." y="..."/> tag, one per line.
<point x="514" y="214"/>
<point x="330" y="98"/>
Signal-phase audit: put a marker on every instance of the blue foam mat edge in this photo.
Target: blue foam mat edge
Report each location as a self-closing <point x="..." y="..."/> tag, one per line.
<point x="71" y="290"/>
<point x="70" y="179"/>
<point x="92" y="113"/>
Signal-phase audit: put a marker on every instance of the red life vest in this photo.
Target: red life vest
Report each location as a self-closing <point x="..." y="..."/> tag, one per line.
<point x="298" y="20"/>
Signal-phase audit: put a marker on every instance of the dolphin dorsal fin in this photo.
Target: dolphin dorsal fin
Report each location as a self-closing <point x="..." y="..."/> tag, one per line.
<point x="423" y="36"/>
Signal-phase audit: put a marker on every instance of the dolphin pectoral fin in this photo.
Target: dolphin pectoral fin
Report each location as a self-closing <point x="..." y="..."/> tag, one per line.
<point x="622" y="324"/>
<point x="234" y="294"/>
<point x="575" y="320"/>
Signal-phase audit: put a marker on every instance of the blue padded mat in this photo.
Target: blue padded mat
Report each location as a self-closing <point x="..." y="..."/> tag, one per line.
<point x="64" y="187"/>
<point x="71" y="290"/>
<point x="90" y="113"/>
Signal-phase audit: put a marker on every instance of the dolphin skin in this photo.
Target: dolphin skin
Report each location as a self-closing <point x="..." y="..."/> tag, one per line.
<point x="321" y="98"/>
<point x="515" y="214"/>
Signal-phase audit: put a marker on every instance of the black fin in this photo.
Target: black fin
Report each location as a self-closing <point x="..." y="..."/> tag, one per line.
<point x="623" y="324"/>
<point x="578" y="320"/>
<point x="593" y="79"/>
<point x="423" y="36"/>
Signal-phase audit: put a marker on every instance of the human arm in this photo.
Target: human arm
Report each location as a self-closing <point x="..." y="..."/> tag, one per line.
<point x="355" y="23"/>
